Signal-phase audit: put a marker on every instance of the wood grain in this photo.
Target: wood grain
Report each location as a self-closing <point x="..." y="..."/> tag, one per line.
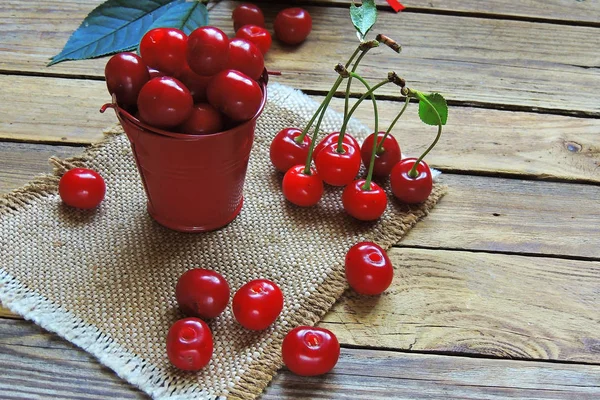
<point x="478" y="213"/>
<point x="480" y="60"/>
<point x="478" y="303"/>
<point x="475" y="139"/>
<point x="29" y="358"/>
<point x="559" y="10"/>
<point x="493" y="305"/>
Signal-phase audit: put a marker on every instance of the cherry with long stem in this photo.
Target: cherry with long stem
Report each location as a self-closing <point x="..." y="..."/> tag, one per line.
<point x="387" y="132"/>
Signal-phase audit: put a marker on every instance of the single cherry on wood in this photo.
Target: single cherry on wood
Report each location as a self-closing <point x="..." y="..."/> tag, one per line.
<point x="257" y="304"/>
<point x="410" y="189"/>
<point x="369" y="270"/>
<point x="364" y="204"/>
<point x="164" y="49"/>
<point x="301" y="188"/>
<point x="257" y="35"/>
<point x="247" y="14"/>
<point x="292" y="25"/>
<point x="189" y="344"/>
<point x="310" y="351"/>
<point x="202" y="293"/>
<point x="125" y="75"/>
<point x="82" y="188"/>
<point x="285" y="150"/>
<point x="385" y="158"/>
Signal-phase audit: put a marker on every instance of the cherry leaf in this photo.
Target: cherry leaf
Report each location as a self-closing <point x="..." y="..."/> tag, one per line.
<point x="185" y="16"/>
<point x="112" y="27"/>
<point x="427" y="112"/>
<point x="363" y="17"/>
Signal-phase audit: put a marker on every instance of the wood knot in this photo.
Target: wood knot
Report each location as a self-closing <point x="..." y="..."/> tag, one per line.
<point x="573" y="147"/>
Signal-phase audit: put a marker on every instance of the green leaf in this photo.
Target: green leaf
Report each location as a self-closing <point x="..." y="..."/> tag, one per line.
<point x="185" y="16"/>
<point x="363" y="17"/>
<point x="112" y="27"/>
<point x="426" y="108"/>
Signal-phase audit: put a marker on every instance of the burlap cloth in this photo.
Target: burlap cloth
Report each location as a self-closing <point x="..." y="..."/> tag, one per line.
<point x="105" y="279"/>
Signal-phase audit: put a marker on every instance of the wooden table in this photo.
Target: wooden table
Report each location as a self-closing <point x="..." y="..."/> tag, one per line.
<point x="498" y="291"/>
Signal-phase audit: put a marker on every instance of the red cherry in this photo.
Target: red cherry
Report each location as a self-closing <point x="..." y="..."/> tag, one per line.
<point x="164" y="102"/>
<point x="285" y="151"/>
<point x="407" y="189"/>
<point x="362" y="204"/>
<point x="247" y="14"/>
<point x="310" y="351"/>
<point x="154" y="73"/>
<point x="245" y="57"/>
<point x="235" y="94"/>
<point x="202" y="293"/>
<point x="195" y="83"/>
<point x="301" y="189"/>
<point x="369" y="271"/>
<point x="204" y="120"/>
<point x="257" y="304"/>
<point x="189" y="344"/>
<point x="292" y="25"/>
<point x="125" y="75"/>
<point x="385" y="160"/>
<point x="257" y="35"/>
<point x="207" y="50"/>
<point x="82" y="188"/>
<point x="333" y="138"/>
<point x="338" y="169"/>
<point x="164" y="49"/>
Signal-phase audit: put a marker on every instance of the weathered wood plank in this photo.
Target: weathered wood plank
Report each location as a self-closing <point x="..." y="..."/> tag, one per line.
<point x="29" y="358"/>
<point x="485" y="304"/>
<point x="475" y="139"/>
<point x="503" y="62"/>
<point x="478" y="213"/>
<point x="490" y="304"/>
<point x="560" y="10"/>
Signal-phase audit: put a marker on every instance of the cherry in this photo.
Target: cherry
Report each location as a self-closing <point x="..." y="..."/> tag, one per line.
<point x="204" y="120"/>
<point x="338" y="169"/>
<point x="245" y="57"/>
<point x="369" y="271"/>
<point x="154" y="73"/>
<point x="408" y="189"/>
<point x="125" y="75"/>
<point x="247" y="14"/>
<point x="82" y="188"/>
<point x="364" y="204"/>
<point x="257" y="35"/>
<point x="164" y="102"/>
<point x="207" y="50"/>
<point x="164" y="49"/>
<point x="333" y="138"/>
<point x="310" y="351"/>
<point x="302" y="189"/>
<point x="292" y="25"/>
<point x="386" y="158"/>
<point x="189" y="344"/>
<point x="202" y="293"/>
<point x="285" y="151"/>
<point x="235" y="94"/>
<point x="257" y="304"/>
<point x="195" y="83"/>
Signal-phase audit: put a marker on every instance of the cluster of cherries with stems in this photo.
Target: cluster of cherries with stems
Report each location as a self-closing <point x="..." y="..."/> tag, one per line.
<point x="338" y="156"/>
<point x="204" y="294"/>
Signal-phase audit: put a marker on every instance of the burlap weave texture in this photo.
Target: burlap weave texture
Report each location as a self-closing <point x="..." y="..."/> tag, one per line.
<point x="104" y="279"/>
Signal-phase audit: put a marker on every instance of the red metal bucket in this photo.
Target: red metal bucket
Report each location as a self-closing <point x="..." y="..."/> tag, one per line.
<point x="194" y="183"/>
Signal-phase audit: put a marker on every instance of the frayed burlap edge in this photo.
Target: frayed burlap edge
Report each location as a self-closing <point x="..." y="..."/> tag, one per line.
<point x="128" y="366"/>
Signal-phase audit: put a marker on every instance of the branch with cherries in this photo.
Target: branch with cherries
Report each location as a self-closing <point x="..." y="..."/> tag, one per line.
<point x="337" y="157"/>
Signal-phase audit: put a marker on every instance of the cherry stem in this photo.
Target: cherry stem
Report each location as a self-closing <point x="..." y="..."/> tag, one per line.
<point x="322" y="114"/>
<point x="364" y="49"/>
<point x="380" y="144"/>
<point x="325" y="103"/>
<point x="413" y="171"/>
<point x="367" y="184"/>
